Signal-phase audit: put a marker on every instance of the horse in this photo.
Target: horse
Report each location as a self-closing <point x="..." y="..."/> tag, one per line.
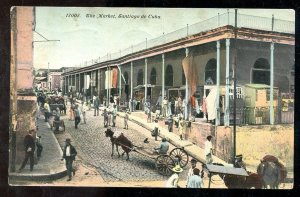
<point x="271" y="173"/>
<point x="253" y="180"/>
<point x="121" y="140"/>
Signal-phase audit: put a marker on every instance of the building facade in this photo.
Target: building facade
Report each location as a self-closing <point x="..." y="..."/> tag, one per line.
<point x="257" y="56"/>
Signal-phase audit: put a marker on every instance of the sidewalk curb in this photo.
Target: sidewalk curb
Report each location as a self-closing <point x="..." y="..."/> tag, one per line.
<point x="55" y="173"/>
<point x="37" y="177"/>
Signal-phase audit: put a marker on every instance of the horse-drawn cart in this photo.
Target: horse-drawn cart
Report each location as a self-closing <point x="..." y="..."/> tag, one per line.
<point x="224" y="170"/>
<point x="165" y="163"/>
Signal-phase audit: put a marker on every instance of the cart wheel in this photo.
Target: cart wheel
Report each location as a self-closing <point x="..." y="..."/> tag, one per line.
<point x="180" y="155"/>
<point x="164" y="164"/>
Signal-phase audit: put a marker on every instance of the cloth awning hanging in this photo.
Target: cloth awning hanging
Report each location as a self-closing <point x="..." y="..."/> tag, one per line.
<point x="211" y="104"/>
<point x="114" y="77"/>
<point x="190" y="73"/>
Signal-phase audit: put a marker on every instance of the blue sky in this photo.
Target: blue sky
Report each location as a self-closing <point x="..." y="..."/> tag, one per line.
<point x="83" y="39"/>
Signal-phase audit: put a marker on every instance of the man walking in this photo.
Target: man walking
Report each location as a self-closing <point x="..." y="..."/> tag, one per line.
<point x="114" y="116"/>
<point x="155" y="129"/>
<point x="195" y="181"/>
<point x="126" y="120"/>
<point x="29" y="144"/>
<point x="208" y="150"/>
<point x="165" y="107"/>
<point x="47" y="111"/>
<point x="39" y="147"/>
<point x="191" y="172"/>
<point x="173" y="180"/>
<point x="105" y="117"/>
<point x="77" y="116"/>
<point x="83" y="111"/>
<point x="182" y="128"/>
<point x="96" y="105"/>
<point x="69" y="155"/>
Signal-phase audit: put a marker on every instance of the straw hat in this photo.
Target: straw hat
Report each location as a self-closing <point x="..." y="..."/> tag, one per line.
<point x="177" y="169"/>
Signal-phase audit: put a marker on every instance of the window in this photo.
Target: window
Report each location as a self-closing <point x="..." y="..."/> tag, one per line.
<point x="261" y="72"/>
<point x="211" y="72"/>
<point x="153" y="77"/>
<point x="140" y="77"/>
<point x="169" y="76"/>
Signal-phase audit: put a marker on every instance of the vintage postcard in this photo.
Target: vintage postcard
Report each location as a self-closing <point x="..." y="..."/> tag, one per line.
<point x="152" y="97"/>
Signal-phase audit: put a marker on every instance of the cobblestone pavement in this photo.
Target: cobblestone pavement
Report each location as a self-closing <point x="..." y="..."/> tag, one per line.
<point x="96" y="150"/>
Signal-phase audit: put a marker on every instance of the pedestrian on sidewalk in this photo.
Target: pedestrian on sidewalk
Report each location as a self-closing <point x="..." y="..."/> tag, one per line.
<point x="39" y="147"/>
<point x="148" y="115"/>
<point x="195" y="181"/>
<point x="174" y="179"/>
<point x="208" y="150"/>
<point x="169" y="107"/>
<point x="69" y="154"/>
<point x="56" y="121"/>
<point x="77" y="116"/>
<point x="47" y="111"/>
<point x="96" y="105"/>
<point x="84" y="108"/>
<point x="114" y="115"/>
<point x="126" y="120"/>
<point x="29" y="144"/>
<point x="176" y="106"/>
<point x="179" y="104"/>
<point x="71" y="111"/>
<point x="165" y="107"/>
<point x="170" y="123"/>
<point x="105" y="117"/>
<point x="155" y="129"/>
<point x="191" y="172"/>
<point x="182" y="128"/>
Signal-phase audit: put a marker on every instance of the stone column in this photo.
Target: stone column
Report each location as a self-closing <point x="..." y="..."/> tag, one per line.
<point x="271" y="83"/>
<point x="120" y="83"/>
<point x="227" y="112"/>
<point x="99" y="82"/>
<point x="217" y="122"/>
<point x="186" y="91"/>
<point x="131" y="84"/>
<point x="146" y="79"/>
<point x="163" y="79"/>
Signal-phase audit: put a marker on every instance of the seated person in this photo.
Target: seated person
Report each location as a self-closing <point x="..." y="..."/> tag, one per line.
<point x="163" y="148"/>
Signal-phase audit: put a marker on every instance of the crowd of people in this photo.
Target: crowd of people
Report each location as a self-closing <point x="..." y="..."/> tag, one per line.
<point x="109" y="113"/>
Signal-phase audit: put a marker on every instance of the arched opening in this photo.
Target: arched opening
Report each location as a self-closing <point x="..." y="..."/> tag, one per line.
<point x="153" y="76"/>
<point x="169" y="76"/>
<point x="126" y="89"/>
<point x="126" y="76"/>
<point x="211" y="72"/>
<point x="140" y="77"/>
<point x="261" y="72"/>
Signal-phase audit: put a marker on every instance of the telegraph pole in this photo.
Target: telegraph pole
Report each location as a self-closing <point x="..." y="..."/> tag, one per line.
<point x="234" y="84"/>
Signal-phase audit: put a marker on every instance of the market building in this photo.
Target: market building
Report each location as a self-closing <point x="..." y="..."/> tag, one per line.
<point x="207" y="52"/>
